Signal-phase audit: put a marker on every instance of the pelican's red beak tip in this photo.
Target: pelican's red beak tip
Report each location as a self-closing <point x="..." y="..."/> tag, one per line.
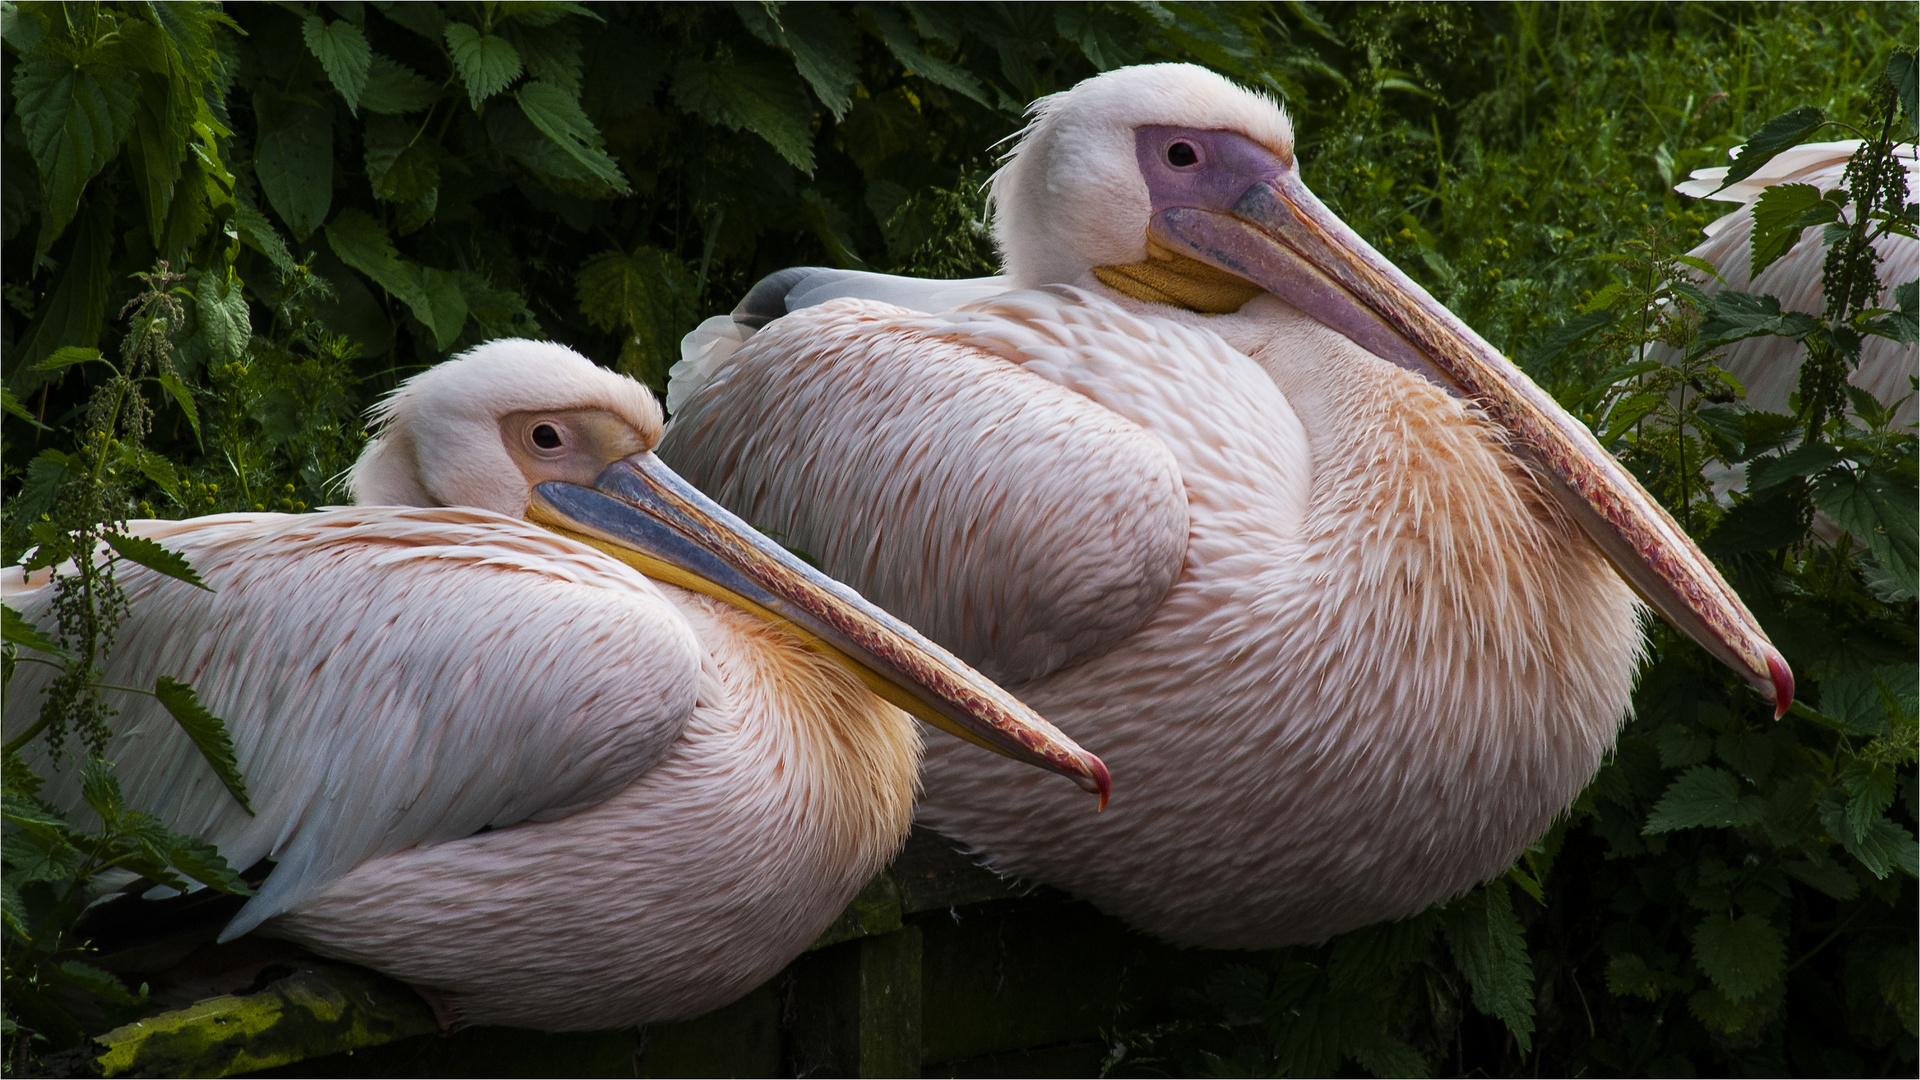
<point x="1103" y="782"/>
<point x="1782" y="685"/>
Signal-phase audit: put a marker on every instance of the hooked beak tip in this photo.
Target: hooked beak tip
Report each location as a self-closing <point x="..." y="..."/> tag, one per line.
<point x="1102" y="782"/>
<point x="1782" y="685"/>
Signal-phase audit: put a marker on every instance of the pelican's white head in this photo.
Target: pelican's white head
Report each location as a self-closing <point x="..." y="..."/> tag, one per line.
<point x="483" y="428"/>
<point x="1072" y="196"/>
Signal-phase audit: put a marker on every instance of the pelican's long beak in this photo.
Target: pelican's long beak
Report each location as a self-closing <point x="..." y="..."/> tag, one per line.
<point x="1278" y="236"/>
<point x="641" y="512"/>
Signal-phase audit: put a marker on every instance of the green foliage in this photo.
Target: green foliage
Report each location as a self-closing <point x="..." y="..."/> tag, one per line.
<point x="349" y="192"/>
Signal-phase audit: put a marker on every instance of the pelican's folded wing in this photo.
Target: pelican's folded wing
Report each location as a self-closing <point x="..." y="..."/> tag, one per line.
<point x="919" y="459"/>
<point x="392" y="677"/>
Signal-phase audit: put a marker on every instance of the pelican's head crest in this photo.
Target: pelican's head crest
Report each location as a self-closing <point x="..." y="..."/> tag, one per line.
<point x="1071" y="195"/>
<point x="484" y="427"/>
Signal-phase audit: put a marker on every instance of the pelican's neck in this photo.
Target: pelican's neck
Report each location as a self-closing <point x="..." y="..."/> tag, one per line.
<point x="837" y="764"/>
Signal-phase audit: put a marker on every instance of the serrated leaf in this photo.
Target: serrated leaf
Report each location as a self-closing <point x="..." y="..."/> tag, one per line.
<point x="147" y="553"/>
<point x="1704" y="797"/>
<point x="294" y="161"/>
<point x="906" y="48"/>
<point x="1385" y="1056"/>
<point x="747" y="96"/>
<point x="1827" y="876"/>
<point x="1880" y="847"/>
<point x="487" y="63"/>
<point x="551" y="53"/>
<point x="75" y="118"/>
<point x="820" y="42"/>
<point x="1733" y="316"/>
<point x="182" y="397"/>
<point x="1681" y="746"/>
<point x="1485" y="939"/>
<point x="1783" y="132"/>
<point x="96" y="982"/>
<point x="67" y="357"/>
<point x="343" y="52"/>
<point x="1765" y="474"/>
<point x="1880" y="512"/>
<point x="208" y="732"/>
<point x="100" y="790"/>
<point x="16" y="630"/>
<point x="76" y="311"/>
<point x="12" y="908"/>
<point x="1780" y="215"/>
<point x="1702" y="265"/>
<point x="1627" y="412"/>
<point x="1742" y="956"/>
<point x="1364" y="956"/>
<point x="1903" y="71"/>
<point x="651" y="295"/>
<point x="199" y="860"/>
<point x="434" y="296"/>
<point x="560" y="118"/>
<point x="394" y="88"/>
<point x="15" y="409"/>
<point x="224" y="321"/>
<point x="1870" y="792"/>
<point x="259" y="234"/>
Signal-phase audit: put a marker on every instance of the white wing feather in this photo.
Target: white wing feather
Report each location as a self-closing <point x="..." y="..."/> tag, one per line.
<point x="922" y="460"/>
<point x="392" y="678"/>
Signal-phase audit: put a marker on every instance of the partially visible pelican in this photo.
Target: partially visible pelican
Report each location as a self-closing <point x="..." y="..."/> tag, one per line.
<point x="1208" y="482"/>
<point x="1769" y="367"/>
<point x="500" y="763"/>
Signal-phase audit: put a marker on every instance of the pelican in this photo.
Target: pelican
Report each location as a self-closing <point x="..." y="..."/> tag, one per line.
<point x="1345" y="599"/>
<point x="1769" y="367"/>
<point x="500" y="763"/>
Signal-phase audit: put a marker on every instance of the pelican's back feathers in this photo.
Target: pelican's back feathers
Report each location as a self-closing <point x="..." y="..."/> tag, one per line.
<point x="470" y="671"/>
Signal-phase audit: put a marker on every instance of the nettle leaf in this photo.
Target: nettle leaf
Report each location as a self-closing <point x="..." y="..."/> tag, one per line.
<point x="1826" y="875"/>
<point x="259" y="234"/>
<point x="16" y="630"/>
<point x="821" y="43"/>
<point x="906" y="48"/>
<point x="1362" y="957"/>
<point x="1903" y="71"/>
<point x="1704" y="797"/>
<point x="96" y="982"/>
<point x="560" y="118"/>
<point x="651" y="295"/>
<point x="1783" y="132"/>
<point x="487" y="63"/>
<point x="182" y="397"/>
<point x="749" y="96"/>
<point x="552" y="54"/>
<point x="1732" y="316"/>
<point x="100" y="790"/>
<point x="18" y="411"/>
<point x="1742" y="956"/>
<point x="394" y="88"/>
<point x="400" y="168"/>
<point x="294" y="161"/>
<point x="208" y="732"/>
<point x="1882" y="846"/>
<point x="1486" y="942"/>
<point x="221" y="304"/>
<point x="31" y="858"/>
<point x="1765" y="474"/>
<point x="1681" y="746"/>
<point x="343" y="52"/>
<point x="1902" y="323"/>
<point x="75" y="118"/>
<point x="1780" y="215"/>
<point x="1881" y="512"/>
<point x="434" y="296"/>
<point x="147" y="553"/>
<point x="67" y="357"/>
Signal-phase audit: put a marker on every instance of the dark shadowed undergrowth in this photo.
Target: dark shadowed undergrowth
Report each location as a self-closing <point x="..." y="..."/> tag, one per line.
<point x="324" y="198"/>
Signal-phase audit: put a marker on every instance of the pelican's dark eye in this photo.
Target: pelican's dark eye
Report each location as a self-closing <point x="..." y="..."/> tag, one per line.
<point x="1181" y="154"/>
<point x="546" y="437"/>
